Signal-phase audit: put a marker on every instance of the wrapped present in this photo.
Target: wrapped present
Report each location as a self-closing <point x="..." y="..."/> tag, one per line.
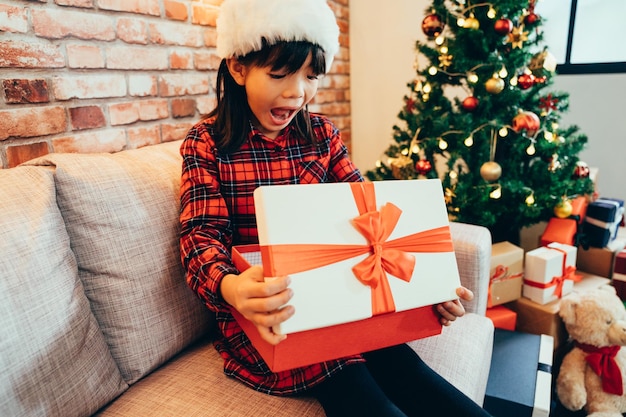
<point x="549" y="272"/>
<point x="538" y="318"/>
<point x="599" y="261"/>
<point x="566" y="230"/>
<point x="520" y="379"/>
<point x="502" y="317"/>
<point x="507" y="268"/>
<point x="619" y="282"/>
<point x="560" y="231"/>
<point x="602" y="221"/>
<point x="366" y="262"/>
<point x="620" y="262"/>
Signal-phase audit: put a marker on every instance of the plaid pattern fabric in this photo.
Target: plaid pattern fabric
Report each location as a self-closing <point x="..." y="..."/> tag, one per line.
<point x="217" y="211"/>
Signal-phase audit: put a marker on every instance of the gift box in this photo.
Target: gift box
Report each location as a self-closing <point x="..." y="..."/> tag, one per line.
<point x="520" y="379"/>
<point x="549" y="272"/>
<point x="620" y="262"/>
<point x="366" y="264"/>
<point x="560" y="231"/>
<point x="602" y="221"/>
<point x="599" y="261"/>
<point x="538" y="318"/>
<point x="619" y="282"/>
<point x="507" y="268"/>
<point x="502" y="317"/>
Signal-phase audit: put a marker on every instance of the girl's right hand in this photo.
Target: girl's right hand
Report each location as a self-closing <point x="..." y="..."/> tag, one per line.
<point x="260" y="301"/>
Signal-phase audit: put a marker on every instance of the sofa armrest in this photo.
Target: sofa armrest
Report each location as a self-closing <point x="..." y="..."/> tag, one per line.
<point x="472" y="245"/>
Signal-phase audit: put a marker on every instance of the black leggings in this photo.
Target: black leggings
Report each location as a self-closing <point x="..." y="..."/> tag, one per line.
<point x="393" y="382"/>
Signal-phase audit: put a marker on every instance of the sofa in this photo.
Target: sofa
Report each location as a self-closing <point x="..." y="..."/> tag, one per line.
<point x="95" y="315"/>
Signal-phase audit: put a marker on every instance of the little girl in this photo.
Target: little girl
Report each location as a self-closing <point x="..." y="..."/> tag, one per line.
<point x="260" y="133"/>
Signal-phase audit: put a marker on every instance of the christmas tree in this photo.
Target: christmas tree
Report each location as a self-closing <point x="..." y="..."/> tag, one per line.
<point x="478" y="115"/>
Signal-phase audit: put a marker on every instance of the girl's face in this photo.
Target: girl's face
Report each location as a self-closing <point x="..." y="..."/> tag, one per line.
<point x="275" y="96"/>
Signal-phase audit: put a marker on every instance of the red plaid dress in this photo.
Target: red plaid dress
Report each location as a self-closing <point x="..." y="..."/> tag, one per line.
<point x="217" y="211"/>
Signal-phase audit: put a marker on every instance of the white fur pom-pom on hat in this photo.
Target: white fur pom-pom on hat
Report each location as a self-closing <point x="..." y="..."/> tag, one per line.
<point x="243" y="24"/>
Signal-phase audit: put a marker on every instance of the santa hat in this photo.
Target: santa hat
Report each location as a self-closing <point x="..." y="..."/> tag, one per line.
<point x="243" y="24"/>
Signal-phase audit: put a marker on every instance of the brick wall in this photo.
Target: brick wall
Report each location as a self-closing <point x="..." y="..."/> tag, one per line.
<point x="108" y="75"/>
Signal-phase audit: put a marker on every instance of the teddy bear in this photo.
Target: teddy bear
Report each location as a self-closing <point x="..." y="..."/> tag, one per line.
<point x="593" y="373"/>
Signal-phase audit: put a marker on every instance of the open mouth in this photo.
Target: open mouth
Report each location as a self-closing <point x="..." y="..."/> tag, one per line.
<point x="281" y="115"/>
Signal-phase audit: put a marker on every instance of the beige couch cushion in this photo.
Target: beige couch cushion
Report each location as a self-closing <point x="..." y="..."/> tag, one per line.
<point x="121" y="212"/>
<point x="193" y="385"/>
<point x="53" y="358"/>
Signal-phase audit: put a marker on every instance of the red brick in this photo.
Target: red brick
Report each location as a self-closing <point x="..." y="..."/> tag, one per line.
<point x="57" y="24"/>
<point x="13" y="19"/>
<point x="206" y="103"/>
<point x="210" y="37"/>
<point x="87" y="117"/>
<point x="84" y="56"/>
<point x="183" y="107"/>
<point x="204" y="15"/>
<point x="123" y="113"/>
<point x="153" y="109"/>
<point x="204" y="60"/>
<point x="19" y="54"/>
<point x="150" y="7"/>
<point x="180" y="85"/>
<point x="111" y="140"/>
<point x="175" y="33"/>
<point x="33" y="121"/>
<point x="174" y="131"/>
<point x="143" y="136"/>
<point x="26" y="91"/>
<point x="181" y="60"/>
<point x="75" y="3"/>
<point x="136" y="58"/>
<point x="176" y="10"/>
<point x="22" y="153"/>
<point x="88" y="86"/>
<point x="132" y="30"/>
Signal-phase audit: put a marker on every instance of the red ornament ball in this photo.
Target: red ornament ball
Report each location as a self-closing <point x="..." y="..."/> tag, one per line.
<point x="503" y="26"/>
<point x="581" y="170"/>
<point x="525" y="81"/>
<point x="526" y="121"/>
<point x="432" y="25"/>
<point x="423" y="166"/>
<point x="470" y="103"/>
<point x="531" y="18"/>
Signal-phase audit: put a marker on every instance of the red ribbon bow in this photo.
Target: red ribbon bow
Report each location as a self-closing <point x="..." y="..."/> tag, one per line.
<point x="385" y="256"/>
<point x="602" y="361"/>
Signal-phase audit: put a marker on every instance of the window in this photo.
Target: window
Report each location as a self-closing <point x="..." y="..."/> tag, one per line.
<point x="585" y="36"/>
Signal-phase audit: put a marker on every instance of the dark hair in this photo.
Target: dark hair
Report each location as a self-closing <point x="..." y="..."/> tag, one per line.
<point x="232" y="113"/>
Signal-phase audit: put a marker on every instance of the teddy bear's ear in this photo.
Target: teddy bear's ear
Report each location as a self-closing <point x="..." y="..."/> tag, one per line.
<point x="567" y="307"/>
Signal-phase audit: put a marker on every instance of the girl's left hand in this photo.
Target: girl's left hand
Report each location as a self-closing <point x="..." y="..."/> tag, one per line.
<point x="450" y="310"/>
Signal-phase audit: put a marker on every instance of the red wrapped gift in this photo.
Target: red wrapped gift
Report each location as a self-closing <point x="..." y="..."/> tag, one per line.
<point x="620" y="262"/>
<point x="560" y="231"/>
<point x="502" y="317"/>
<point x="363" y="277"/>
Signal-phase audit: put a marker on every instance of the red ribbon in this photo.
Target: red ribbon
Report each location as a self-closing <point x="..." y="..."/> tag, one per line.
<point x="602" y="361"/>
<point x="385" y="256"/>
<point x="500" y="273"/>
<point x="567" y="272"/>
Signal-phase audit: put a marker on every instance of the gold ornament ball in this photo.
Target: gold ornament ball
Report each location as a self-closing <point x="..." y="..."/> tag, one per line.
<point x="563" y="209"/>
<point x="494" y="85"/>
<point x="471" y="23"/>
<point x="490" y="171"/>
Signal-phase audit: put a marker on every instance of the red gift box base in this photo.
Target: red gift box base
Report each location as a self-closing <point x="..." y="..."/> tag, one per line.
<point x="328" y="343"/>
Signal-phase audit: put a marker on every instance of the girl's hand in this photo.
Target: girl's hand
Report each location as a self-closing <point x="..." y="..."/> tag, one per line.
<point x="262" y="302"/>
<point x="450" y="310"/>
